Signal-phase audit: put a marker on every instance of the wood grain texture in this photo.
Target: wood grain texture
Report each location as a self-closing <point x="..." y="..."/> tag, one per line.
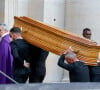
<point x="57" y="40"/>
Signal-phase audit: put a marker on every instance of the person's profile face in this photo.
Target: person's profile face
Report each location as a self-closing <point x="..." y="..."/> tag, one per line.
<point x="11" y="36"/>
<point x="0" y="31"/>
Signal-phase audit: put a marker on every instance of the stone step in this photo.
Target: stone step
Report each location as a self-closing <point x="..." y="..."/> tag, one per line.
<point x="52" y="86"/>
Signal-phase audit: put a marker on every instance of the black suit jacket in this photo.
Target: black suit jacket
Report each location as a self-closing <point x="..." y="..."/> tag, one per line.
<point x="94" y="73"/>
<point x="38" y="60"/>
<point x="20" y="52"/>
<point x="78" y="72"/>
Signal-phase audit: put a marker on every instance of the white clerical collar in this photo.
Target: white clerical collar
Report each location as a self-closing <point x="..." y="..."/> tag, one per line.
<point x="19" y="38"/>
<point x="4" y="34"/>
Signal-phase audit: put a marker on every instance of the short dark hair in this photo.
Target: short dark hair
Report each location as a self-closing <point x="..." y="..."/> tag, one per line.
<point x="86" y="29"/>
<point x="15" y="30"/>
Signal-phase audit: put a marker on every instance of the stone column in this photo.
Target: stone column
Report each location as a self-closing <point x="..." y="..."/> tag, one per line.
<point x="9" y="13"/>
<point x="2" y="13"/>
<point x="54" y="15"/>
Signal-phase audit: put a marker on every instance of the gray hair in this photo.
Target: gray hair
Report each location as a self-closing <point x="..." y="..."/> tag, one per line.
<point x="4" y="26"/>
<point x="70" y="55"/>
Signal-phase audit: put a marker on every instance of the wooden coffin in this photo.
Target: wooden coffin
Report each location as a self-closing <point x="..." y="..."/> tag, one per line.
<point x="57" y="40"/>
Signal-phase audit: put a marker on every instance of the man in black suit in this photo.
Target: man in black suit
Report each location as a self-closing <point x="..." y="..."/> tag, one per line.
<point x="78" y="72"/>
<point x="95" y="73"/>
<point x="94" y="70"/>
<point x="28" y="57"/>
<point x="21" y="55"/>
<point x="37" y="64"/>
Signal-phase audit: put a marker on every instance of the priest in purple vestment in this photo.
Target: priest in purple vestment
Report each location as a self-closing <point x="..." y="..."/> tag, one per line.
<point x="5" y="55"/>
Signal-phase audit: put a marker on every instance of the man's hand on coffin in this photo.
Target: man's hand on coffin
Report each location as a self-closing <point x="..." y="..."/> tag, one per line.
<point x="68" y="50"/>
